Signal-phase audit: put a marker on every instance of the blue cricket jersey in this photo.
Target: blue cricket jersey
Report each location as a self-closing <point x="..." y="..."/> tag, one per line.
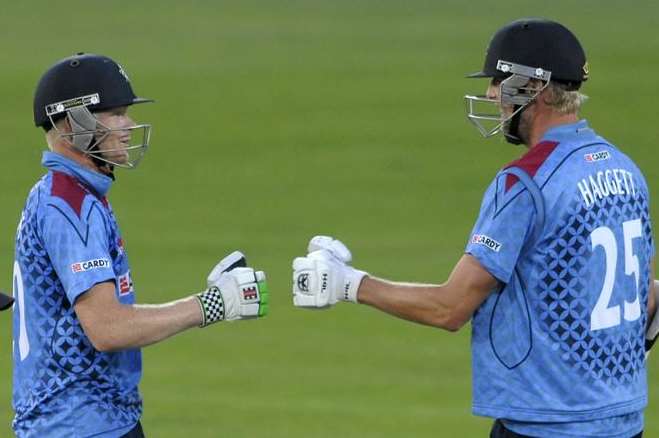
<point x="68" y="241"/>
<point x="558" y="350"/>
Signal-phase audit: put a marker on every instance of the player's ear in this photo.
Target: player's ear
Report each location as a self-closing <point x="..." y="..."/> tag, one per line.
<point x="64" y="125"/>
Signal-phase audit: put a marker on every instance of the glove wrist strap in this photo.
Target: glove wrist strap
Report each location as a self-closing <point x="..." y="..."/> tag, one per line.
<point x="212" y="306"/>
<point x="352" y="280"/>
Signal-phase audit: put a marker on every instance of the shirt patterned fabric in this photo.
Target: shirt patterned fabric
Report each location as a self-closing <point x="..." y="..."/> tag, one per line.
<point x="67" y="242"/>
<point x="560" y="346"/>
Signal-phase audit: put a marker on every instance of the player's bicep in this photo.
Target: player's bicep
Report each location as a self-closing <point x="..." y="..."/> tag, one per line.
<point x="467" y="287"/>
<point x="503" y="227"/>
<point x="97" y="310"/>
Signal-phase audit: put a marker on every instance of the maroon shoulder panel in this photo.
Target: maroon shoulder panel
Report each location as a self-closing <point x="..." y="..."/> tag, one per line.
<point x="69" y="189"/>
<point x="531" y="161"/>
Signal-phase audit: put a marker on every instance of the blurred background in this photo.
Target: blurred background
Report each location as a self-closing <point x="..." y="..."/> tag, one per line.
<point x="278" y="120"/>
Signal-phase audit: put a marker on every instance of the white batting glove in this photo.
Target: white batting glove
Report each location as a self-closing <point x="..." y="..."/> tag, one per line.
<point x="323" y="277"/>
<point x="234" y="292"/>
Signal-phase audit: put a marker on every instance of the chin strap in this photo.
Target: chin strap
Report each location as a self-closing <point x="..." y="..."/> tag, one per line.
<point x="512" y="133"/>
<point x="103" y="166"/>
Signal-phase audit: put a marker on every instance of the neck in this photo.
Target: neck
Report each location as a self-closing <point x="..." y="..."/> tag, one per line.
<point x="544" y="122"/>
<point x="83" y="159"/>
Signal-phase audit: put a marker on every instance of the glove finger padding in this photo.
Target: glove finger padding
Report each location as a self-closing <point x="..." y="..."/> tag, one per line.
<point x="311" y="277"/>
<point x="264" y="293"/>
<point x="237" y="294"/>
<point x="246" y="283"/>
<point x="234" y="260"/>
<point x="332" y="245"/>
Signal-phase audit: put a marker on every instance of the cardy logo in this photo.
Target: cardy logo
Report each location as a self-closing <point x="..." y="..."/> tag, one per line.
<point x="89" y="265"/>
<point x="482" y="239"/>
<point x="597" y="156"/>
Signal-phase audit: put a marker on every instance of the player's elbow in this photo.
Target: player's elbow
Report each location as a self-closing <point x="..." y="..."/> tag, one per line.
<point x="454" y="323"/>
<point x="449" y="319"/>
<point x="102" y="345"/>
<point x="104" y="330"/>
<point x="102" y="340"/>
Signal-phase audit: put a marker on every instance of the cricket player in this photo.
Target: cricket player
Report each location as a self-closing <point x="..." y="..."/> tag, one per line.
<point x="557" y="275"/>
<point x="77" y="330"/>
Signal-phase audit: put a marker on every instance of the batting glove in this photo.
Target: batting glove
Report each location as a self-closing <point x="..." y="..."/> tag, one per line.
<point x="234" y="292"/>
<point x="323" y="277"/>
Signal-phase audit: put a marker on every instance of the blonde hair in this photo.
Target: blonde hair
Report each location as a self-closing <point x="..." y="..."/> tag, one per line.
<point x="563" y="100"/>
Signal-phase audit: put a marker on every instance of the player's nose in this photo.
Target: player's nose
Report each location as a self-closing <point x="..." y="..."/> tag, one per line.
<point x="492" y="92"/>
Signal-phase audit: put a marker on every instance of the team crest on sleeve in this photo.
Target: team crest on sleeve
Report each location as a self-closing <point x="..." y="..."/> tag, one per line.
<point x="482" y="239"/>
<point x="597" y="156"/>
<point x="125" y="284"/>
<point x="90" y="265"/>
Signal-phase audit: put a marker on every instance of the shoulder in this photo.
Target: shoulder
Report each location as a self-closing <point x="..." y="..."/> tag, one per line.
<point x="506" y="193"/>
<point x="506" y="188"/>
<point x="65" y="197"/>
<point x="530" y="163"/>
<point x="68" y="190"/>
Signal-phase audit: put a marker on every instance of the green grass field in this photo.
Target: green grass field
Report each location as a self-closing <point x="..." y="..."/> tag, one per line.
<point x="278" y="120"/>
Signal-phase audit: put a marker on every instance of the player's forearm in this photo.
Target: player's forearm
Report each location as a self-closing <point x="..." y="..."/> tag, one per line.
<point x="448" y="306"/>
<point x="140" y="325"/>
<point x="420" y="303"/>
<point x="112" y="326"/>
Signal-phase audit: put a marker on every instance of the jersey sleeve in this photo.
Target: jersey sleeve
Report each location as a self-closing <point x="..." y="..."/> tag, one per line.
<point x="504" y="224"/>
<point x="78" y="247"/>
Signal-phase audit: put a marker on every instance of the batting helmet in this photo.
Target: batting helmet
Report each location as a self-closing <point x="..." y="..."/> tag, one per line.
<point x="536" y="43"/>
<point x="78" y="76"/>
<point x="75" y="88"/>
<point x="521" y="52"/>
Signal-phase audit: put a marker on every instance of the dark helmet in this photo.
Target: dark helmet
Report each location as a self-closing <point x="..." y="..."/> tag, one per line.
<point x="82" y="76"/>
<point x="537" y="43"/>
<point x="76" y="88"/>
<point x="526" y="50"/>
<point x="5" y="301"/>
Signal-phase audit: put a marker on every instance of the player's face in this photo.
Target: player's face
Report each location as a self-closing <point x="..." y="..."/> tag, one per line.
<point x="526" y="116"/>
<point x="525" y="123"/>
<point x="115" y="134"/>
<point x="494" y="92"/>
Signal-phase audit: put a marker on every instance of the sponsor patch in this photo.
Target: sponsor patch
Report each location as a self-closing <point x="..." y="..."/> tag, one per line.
<point x="250" y="293"/>
<point x="482" y="239"/>
<point x="597" y="156"/>
<point x="89" y="265"/>
<point x="125" y="284"/>
<point x="303" y="282"/>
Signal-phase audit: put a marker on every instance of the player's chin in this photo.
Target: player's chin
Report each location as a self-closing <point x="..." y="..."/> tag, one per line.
<point x="119" y="156"/>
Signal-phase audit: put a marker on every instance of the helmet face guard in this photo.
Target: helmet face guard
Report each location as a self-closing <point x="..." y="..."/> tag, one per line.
<point x="88" y="133"/>
<point x="519" y="54"/>
<point x="515" y="91"/>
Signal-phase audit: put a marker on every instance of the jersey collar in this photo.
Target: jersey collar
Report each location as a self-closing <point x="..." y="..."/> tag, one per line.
<point x="568" y="130"/>
<point x="98" y="182"/>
